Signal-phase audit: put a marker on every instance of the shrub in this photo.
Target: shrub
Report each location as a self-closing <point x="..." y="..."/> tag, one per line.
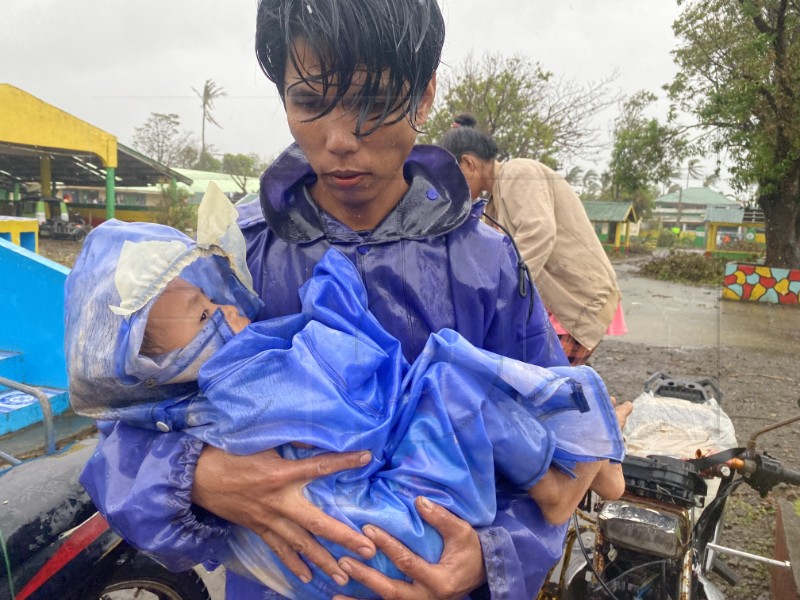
<point x="640" y="245"/>
<point x="174" y="208"/>
<point x="684" y="267"/>
<point x="666" y="238"/>
<point x="742" y="246"/>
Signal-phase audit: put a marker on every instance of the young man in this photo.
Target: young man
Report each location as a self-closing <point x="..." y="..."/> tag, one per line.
<point x="357" y="80"/>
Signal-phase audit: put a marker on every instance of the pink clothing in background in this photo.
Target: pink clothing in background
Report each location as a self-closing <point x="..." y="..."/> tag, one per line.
<point x="617" y="326"/>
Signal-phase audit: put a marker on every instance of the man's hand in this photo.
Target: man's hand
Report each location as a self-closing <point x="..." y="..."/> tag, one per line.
<point x="264" y="492"/>
<point x="459" y="571"/>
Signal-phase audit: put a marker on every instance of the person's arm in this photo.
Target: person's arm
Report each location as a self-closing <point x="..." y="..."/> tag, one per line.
<point x="527" y="198"/>
<point x="145" y="483"/>
<point x="609" y="482"/>
<point x="559" y="494"/>
<point x="140" y="481"/>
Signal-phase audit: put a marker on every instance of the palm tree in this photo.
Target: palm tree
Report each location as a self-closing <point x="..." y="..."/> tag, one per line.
<point x="211" y="91"/>
<point x="573" y="176"/>
<point x="710" y="180"/>
<point x="590" y="185"/>
<point x="693" y="171"/>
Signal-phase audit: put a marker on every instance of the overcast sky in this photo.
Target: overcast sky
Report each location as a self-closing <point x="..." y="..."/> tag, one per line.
<point x="112" y="63"/>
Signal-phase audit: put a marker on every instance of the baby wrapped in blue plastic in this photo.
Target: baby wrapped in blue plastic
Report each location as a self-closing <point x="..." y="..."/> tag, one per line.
<point x="330" y="377"/>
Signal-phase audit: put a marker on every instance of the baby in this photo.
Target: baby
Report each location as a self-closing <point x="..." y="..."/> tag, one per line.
<point x="176" y="352"/>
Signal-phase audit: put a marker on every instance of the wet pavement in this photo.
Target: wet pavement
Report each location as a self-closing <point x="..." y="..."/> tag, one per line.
<point x="661" y="313"/>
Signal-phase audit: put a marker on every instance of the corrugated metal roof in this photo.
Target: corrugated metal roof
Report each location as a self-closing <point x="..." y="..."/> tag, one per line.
<point x="609" y="212"/>
<point x="701" y="196"/>
<point x="79" y="152"/>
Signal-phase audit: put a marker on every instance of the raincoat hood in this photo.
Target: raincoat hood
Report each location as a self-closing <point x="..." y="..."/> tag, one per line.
<point x="120" y="272"/>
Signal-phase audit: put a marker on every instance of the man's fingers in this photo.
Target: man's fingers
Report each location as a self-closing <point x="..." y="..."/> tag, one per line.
<point x="289" y="541"/>
<point x="441" y="519"/>
<point x="406" y="561"/>
<point x="308" y="516"/>
<point x="288" y="557"/>
<point x="325" y="464"/>
<point x="378" y="582"/>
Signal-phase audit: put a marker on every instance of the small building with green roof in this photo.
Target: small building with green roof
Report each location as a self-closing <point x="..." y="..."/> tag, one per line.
<point x="612" y="221"/>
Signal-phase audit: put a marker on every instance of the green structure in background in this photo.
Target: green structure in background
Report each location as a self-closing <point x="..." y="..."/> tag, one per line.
<point x="612" y="221"/>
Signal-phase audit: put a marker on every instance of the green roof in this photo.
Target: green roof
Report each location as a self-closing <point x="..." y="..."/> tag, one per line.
<point x="200" y="180"/>
<point x="699" y="196"/>
<point x="609" y="212"/>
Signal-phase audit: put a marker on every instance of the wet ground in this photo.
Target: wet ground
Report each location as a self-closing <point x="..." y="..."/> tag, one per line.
<point x="752" y="350"/>
<point x="661" y="313"/>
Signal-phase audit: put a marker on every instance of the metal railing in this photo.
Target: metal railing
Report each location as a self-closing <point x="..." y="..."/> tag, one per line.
<point x="47" y="416"/>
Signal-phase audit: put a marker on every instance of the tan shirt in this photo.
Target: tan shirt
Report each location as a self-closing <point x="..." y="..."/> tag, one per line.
<point x="558" y="243"/>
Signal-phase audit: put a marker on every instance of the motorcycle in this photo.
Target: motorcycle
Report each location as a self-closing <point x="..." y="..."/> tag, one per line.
<point x="54" y="543"/>
<point x="660" y="540"/>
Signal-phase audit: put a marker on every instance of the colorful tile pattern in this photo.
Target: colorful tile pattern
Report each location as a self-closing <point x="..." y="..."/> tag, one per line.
<point x="762" y="284"/>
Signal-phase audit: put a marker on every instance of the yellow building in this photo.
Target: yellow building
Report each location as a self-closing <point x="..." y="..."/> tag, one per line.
<point x="39" y="142"/>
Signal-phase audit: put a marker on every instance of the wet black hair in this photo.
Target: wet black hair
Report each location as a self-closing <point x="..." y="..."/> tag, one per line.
<point x="463" y="138"/>
<point x="402" y="39"/>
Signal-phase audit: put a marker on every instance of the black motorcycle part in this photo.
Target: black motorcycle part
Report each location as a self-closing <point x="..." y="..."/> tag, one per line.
<point x="137" y="573"/>
<point x="684" y="389"/>
<point x="41" y="499"/>
<point x="769" y="473"/>
<point x="60" y="570"/>
<point x="664" y="478"/>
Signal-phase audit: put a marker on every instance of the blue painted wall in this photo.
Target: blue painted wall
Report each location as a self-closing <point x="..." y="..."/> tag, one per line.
<point x="32" y="314"/>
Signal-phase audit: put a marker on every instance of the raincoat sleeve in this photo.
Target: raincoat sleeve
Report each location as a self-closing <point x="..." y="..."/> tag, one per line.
<point x="153" y="513"/>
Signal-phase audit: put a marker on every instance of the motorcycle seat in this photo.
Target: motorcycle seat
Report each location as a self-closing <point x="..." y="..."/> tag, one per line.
<point x="42" y="498"/>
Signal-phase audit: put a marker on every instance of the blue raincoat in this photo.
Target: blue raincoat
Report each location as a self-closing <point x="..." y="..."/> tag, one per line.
<point x="429" y="266"/>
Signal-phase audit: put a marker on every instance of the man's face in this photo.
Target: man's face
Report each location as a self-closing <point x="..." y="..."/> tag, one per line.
<point x="359" y="179"/>
<point x="181" y="312"/>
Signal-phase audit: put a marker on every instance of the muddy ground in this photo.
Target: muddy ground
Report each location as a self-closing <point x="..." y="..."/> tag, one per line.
<point x="751" y="350"/>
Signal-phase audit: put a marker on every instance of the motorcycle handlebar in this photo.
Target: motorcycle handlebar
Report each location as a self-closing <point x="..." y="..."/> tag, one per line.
<point x="763" y="472"/>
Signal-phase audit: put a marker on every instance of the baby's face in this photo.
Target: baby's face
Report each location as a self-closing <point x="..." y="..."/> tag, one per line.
<point x="181" y="311"/>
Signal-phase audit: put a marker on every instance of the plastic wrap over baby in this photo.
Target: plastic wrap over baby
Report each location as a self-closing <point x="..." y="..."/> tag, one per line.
<point x="110" y="291"/>
<point x="333" y="378"/>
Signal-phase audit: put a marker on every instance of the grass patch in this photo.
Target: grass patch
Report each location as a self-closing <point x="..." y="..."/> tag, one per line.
<point x="686" y="267"/>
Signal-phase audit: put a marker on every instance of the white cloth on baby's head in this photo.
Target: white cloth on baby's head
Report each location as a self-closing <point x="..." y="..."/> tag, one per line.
<point x="145" y="267"/>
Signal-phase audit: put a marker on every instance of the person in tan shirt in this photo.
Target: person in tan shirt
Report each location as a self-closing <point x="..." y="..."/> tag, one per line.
<point x="547" y="221"/>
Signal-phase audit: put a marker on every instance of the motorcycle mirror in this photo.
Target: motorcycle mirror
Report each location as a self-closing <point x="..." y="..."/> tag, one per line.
<point x="751" y="444"/>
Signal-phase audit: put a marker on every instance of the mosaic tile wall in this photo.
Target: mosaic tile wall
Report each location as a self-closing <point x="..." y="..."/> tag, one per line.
<point x="762" y="284"/>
